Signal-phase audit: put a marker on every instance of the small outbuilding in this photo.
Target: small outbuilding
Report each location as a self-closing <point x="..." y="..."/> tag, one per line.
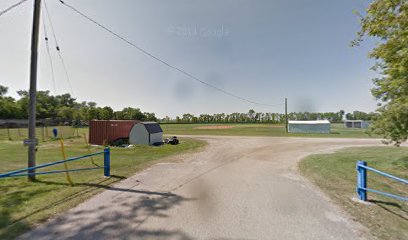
<point x="356" y="124"/>
<point x="146" y="133"/>
<point x="318" y="126"/>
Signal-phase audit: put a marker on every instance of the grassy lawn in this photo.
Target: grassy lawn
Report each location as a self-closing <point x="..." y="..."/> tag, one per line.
<point x="273" y="130"/>
<point x="42" y="133"/>
<point x="24" y="204"/>
<point x="335" y="174"/>
<point x="243" y="129"/>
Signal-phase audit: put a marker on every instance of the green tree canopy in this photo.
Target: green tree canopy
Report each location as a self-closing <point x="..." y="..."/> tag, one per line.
<point x="387" y="21"/>
<point x="3" y="90"/>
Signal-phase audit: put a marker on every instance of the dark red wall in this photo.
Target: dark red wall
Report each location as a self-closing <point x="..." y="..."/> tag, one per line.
<point x="106" y="131"/>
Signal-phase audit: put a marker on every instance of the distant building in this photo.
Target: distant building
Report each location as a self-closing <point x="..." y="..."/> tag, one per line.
<point x="356" y="124"/>
<point x="146" y="133"/>
<point x="318" y="126"/>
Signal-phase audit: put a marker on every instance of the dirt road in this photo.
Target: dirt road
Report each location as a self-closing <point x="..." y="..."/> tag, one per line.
<point x="238" y="188"/>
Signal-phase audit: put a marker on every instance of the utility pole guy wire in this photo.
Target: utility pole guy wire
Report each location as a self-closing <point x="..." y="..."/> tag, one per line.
<point x="11" y="7"/>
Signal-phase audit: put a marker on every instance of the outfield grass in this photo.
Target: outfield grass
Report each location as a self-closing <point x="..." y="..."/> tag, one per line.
<point x="24" y="204"/>
<point x="336" y="173"/>
<point x="244" y="129"/>
<point x="273" y="130"/>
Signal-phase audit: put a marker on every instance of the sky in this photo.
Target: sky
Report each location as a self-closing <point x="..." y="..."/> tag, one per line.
<point x="261" y="50"/>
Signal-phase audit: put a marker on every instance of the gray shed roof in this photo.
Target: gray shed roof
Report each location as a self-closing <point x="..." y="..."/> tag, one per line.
<point x="309" y="122"/>
<point x="152" y="127"/>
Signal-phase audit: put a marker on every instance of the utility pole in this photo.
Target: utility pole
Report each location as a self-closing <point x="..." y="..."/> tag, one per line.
<point x="286" y="114"/>
<point x="32" y="141"/>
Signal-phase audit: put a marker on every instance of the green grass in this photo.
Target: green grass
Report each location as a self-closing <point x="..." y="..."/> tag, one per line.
<point x="42" y="133"/>
<point x="273" y="130"/>
<point x="24" y="204"/>
<point x="245" y="129"/>
<point x="335" y="174"/>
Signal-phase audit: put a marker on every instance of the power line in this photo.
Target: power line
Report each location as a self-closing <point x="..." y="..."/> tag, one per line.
<point x="57" y="47"/>
<point x="11" y="7"/>
<point x="49" y="54"/>
<point x="191" y="76"/>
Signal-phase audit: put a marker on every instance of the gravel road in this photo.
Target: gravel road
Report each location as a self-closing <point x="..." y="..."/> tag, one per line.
<point x="237" y="188"/>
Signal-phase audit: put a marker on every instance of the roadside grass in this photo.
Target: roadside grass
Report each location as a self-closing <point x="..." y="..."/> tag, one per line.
<point x="254" y="129"/>
<point x="24" y="204"/>
<point x="335" y="174"/>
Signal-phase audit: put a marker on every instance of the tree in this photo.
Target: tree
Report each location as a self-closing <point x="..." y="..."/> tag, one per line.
<point x="130" y="113"/>
<point x="150" y="116"/>
<point x="392" y="123"/>
<point x="187" y="118"/>
<point x="66" y="113"/>
<point x="91" y="104"/>
<point x="166" y="119"/>
<point x="106" y="113"/>
<point x="251" y="115"/>
<point x="341" y="114"/>
<point x="387" y="20"/>
<point x="8" y="106"/>
<point x="9" y="109"/>
<point x="66" y="100"/>
<point x="64" y="107"/>
<point x="3" y="90"/>
<point x="93" y="113"/>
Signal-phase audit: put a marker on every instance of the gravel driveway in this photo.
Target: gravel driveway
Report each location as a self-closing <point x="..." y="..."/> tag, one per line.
<point x="237" y="188"/>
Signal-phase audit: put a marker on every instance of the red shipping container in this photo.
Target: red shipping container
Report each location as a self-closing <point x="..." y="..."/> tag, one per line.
<point x="103" y="132"/>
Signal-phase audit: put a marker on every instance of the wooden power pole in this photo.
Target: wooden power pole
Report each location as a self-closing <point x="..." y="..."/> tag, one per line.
<point x="286" y="114"/>
<point x="32" y="141"/>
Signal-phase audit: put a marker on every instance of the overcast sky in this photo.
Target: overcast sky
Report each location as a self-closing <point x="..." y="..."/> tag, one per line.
<point x="260" y="50"/>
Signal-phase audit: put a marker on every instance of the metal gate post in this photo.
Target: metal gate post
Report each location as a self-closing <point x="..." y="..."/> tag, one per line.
<point x="361" y="180"/>
<point x="106" y="162"/>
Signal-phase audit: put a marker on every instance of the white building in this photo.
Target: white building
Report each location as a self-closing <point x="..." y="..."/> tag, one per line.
<point x="318" y="126"/>
<point x="356" y="124"/>
<point x="146" y="133"/>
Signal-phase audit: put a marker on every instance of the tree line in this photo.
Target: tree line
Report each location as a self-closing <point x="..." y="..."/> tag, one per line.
<point x="260" y="117"/>
<point x="64" y="108"/>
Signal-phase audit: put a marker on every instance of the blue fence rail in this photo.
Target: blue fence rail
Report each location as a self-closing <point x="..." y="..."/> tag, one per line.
<point x="362" y="188"/>
<point x="22" y="172"/>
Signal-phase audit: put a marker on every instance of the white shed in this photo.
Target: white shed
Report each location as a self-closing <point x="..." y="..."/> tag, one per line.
<point x="356" y="124"/>
<point x="146" y="133"/>
<point x="318" y="126"/>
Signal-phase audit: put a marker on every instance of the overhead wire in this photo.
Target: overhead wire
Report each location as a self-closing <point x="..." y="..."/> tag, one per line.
<point x="57" y="47"/>
<point x="2" y="12"/>
<point x="49" y="54"/>
<point x="189" y="75"/>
